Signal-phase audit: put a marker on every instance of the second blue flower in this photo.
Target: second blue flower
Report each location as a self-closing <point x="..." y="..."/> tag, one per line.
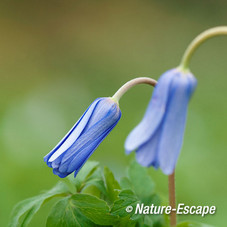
<point x="158" y="138"/>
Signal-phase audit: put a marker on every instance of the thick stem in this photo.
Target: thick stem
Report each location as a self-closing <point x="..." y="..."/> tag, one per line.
<point x="172" y="199"/>
<point x="222" y="30"/>
<point x="140" y="80"/>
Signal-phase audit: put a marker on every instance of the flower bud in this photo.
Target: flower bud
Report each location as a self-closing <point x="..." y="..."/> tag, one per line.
<point x="80" y="142"/>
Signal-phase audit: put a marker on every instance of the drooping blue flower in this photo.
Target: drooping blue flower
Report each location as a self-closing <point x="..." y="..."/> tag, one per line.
<point x="158" y="138"/>
<point x="80" y="142"/>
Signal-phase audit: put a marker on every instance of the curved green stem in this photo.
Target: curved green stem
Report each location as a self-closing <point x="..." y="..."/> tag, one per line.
<point x="221" y="30"/>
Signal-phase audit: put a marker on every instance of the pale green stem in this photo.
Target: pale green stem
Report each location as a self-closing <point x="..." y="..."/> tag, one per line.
<point x="140" y="80"/>
<point x="222" y="30"/>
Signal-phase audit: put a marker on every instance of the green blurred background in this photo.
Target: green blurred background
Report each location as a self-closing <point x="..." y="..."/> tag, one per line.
<point x="56" y="57"/>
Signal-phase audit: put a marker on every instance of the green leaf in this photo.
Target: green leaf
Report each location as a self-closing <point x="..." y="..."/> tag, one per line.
<point x="125" y="183"/>
<point x="86" y="171"/>
<point x="92" y="190"/>
<point x="141" y="182"/>
<point x="152" y="199"/>
<point x="29" y="207"/>
<point x="125" y="222"/>
<point x="96" y="179"/>
<point x="127" y="198"/>
<point x="148" y="221"/>
<point x="154" y="220"/>
<point x="112" y="186"/>
<point x="94" y="209"/>
<point x="192" y="224"/>
<point x="64" y="213"/>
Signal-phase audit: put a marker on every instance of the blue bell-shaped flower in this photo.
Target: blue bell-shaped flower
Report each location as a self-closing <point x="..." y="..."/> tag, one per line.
<point x="85" y="136"/>
<point x="158" y="138"/>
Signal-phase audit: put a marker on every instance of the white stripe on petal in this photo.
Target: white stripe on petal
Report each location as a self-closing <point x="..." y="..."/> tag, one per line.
<point x="74" y="133"/>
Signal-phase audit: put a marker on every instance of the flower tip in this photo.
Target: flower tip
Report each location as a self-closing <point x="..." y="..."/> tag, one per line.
<point x="168" y="171"/>
<point x="127" y="151"/>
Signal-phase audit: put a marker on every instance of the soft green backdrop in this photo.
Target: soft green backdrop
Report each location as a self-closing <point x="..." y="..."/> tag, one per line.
<point x="56" y="57"/>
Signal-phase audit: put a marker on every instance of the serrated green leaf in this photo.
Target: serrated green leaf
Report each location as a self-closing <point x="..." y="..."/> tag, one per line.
<point x="127" y="194"/>
<point x="141" y="182"/>
<point x="30" y="206"/>
<point x="127" y="198"/>
<point x="192" y="224"/>
<point x="112" y="186"/>
<point x="64" y="213"/>
<point x="94" y="209"/>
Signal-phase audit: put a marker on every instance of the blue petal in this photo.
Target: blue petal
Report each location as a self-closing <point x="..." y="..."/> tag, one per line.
<point x="174" y="121"/>
<point x="79" y="161"/>
<point x="109" y="115"/>
<point x="72" y="135"/>
<point x="105" y="107"/>
<point x="146" y="155"/>
<point x="62" y="175"/>
<point x="154" y="114"/>
<point x="76" y="162"/>
<point x="92" y="136"/>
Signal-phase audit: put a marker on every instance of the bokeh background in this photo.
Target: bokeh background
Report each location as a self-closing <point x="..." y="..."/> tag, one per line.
<point x="56" y="57"/>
